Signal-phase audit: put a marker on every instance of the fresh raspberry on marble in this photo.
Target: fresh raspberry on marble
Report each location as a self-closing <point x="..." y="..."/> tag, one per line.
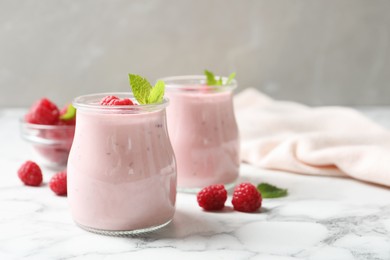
<point x="115" y="101"/>
<point x="212" y="197"/>
<point x="43" y="112"/>
<point x="30" y="174"/>
<point x="58" y="183"/>
<point x="246" y="198"/>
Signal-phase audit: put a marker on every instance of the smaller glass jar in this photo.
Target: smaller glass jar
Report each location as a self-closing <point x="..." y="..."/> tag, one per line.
<point x="203" y="132"/>
<point x="51" y="143"/>
<point x="121" y="167"/>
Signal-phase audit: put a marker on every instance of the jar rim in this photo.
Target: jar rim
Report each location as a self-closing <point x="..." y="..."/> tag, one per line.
<point x="192" y="82"/>
<point x="91" y="102"/>
<point x="32" y="126"/>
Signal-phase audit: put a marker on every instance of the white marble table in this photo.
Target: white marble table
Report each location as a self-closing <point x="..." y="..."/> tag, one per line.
<point x="322" y="218"/>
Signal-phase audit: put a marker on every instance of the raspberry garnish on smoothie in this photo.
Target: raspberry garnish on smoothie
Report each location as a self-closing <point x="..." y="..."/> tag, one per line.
<point x="143" y="92"/>
<point x="115" y="101"/>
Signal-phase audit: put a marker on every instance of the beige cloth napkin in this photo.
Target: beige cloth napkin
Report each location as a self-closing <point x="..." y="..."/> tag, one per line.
<point x="331" y="141"/>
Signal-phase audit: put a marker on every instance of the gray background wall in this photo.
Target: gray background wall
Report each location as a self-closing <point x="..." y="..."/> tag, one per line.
<point x="312" y="51"/>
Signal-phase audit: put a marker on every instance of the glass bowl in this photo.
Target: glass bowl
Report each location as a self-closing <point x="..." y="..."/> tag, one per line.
<point x="52" y="143"/>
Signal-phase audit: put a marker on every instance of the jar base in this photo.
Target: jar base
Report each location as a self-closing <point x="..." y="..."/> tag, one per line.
<point x="228" y="186"/>
<point x="121" y="233"/>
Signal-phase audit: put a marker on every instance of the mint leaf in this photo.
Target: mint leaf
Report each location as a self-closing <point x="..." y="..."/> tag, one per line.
<point x="144" y="92"/>
<point x="270" y="191"/>
<point x="141" y="88"/>
<point x="210" y="78"/>
<point x="156" y="95"/>
<point x="70" y="113"/>
<point x="219" y="82"/>
<point x="230" y="79"/>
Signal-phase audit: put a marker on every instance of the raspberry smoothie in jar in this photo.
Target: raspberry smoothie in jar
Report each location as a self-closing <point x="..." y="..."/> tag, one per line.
<point x="121" y="168"/>
<point x="203" y="132"/>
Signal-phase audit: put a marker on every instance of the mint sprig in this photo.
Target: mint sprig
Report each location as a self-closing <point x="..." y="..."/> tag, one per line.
<point x="230" y="78"/>
<point x="143" y="91"/>
<point x="70" y="113"/>
<point x="212" y="80"/>
<point x="270" y="191"/>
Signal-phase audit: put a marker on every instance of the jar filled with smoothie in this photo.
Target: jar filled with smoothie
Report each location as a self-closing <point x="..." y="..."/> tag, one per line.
<point x="203" y="132"/>
<point x="121" y="168"/>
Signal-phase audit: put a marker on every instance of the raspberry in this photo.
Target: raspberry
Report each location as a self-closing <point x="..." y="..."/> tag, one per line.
<point x="43" y="112"/>
<point x="58" y="183"/>
<point x="212" y="197"/>
<point x="115" y="101"/>
<point x="30" y="174"/>
<point x="106" y="100"/>
<point x="246" y="198"/>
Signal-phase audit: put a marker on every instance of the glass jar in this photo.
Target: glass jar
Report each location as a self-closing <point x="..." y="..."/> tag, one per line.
<point x="51" y="143"/>
<point x="121" y="167"/>
<point x="203" y="132"/>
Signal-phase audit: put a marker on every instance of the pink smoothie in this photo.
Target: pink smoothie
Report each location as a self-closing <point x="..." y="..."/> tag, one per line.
<point x="204" y="136"/>
<point x="121" y="171"/>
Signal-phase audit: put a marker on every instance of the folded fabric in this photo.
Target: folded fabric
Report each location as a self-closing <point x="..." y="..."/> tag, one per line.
<point x="331" y="141"/>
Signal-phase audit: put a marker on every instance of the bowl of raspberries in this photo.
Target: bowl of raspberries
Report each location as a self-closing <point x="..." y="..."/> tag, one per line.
<point x="50" y="131"/>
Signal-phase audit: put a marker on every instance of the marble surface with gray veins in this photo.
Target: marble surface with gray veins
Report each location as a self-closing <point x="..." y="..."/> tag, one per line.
<point x="322" y="218"/>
